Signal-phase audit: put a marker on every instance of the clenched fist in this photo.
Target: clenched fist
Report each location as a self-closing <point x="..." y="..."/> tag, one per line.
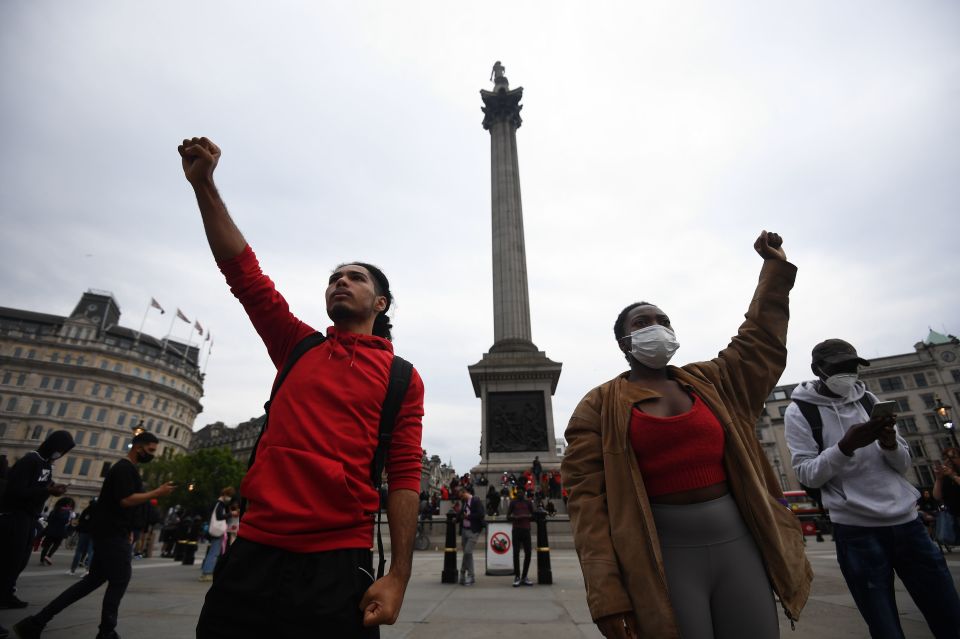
<point x="769" y="246"/>
<point x="199" y="157"/>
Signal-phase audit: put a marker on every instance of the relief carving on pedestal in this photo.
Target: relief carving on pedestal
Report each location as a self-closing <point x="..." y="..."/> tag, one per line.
<point x="516" y="422"/>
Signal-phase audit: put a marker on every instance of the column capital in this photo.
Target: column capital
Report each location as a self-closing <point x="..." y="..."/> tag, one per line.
<point x="501" y="105"/>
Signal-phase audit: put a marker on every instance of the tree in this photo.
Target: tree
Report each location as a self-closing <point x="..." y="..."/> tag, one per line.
<point x="199" y="476"/>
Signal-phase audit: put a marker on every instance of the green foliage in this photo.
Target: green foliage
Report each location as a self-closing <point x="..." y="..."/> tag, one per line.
<point x="208" y="471"/>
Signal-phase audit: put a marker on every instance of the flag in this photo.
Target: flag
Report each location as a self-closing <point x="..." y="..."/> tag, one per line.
<point x="180" y="315"/>
<point x="155" y="304"/>
<point x="196" y="325"/>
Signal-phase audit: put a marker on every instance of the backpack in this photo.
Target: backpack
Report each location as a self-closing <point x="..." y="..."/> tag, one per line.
<point x="811" y="413"/>
<point x="400" y="373"/>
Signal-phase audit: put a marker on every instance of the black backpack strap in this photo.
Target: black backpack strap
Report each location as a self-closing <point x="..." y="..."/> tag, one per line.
<point x="400" y="373"/>
<point x="310" y="341"/>
<point x="811" y="413"/>
<point x="868" y="401"/>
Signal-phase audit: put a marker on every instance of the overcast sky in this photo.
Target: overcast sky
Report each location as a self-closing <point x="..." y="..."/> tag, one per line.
<point x="658" y="140"/>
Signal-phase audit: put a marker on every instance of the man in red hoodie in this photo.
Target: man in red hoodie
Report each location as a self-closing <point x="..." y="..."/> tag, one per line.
<point x="302" y="563"/>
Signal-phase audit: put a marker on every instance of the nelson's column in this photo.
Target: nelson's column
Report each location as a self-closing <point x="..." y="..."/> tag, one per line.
<point x="514" y="380"/>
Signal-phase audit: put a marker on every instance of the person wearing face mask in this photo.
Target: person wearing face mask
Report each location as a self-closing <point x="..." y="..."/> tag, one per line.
<point x="859" y="465"/>
<point x="121" y="495"/>
<point x="29" y="484"/>
<point x="678" y="519"/>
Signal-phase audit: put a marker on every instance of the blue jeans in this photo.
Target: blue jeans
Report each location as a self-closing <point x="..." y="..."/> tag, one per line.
<point x="868" y="558"/>
<point x="210" y="561"/>
<point x="84" y="551"/>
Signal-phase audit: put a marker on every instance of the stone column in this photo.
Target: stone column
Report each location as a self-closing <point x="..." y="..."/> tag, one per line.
<point x="511" y="302"/>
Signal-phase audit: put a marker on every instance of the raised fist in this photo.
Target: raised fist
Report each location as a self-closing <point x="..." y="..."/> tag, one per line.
<point x="199" y="157"/>
<point x="769" y="246"/>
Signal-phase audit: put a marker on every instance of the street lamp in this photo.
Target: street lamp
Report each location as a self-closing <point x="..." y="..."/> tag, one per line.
<point x="943" y="416"/>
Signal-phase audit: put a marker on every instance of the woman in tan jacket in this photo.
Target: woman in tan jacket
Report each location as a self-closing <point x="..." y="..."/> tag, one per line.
<point x="678" y="519"/>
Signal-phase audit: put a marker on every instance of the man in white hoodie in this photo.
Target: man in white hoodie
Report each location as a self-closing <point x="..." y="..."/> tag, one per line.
<point x="859" y="464"/>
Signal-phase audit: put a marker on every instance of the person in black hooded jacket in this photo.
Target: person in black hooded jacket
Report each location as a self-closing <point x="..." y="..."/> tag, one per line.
<point x="29" y="484"/>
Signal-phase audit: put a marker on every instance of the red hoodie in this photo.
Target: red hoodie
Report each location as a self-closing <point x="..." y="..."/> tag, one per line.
<point x="309" y="489"/>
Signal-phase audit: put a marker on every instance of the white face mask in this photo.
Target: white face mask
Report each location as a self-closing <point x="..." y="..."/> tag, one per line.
<point x="842" y="384"/>
<point x="653" y="346"/>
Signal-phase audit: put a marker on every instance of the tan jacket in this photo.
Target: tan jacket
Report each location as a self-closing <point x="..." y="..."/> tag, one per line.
<point x="613" y="526"/>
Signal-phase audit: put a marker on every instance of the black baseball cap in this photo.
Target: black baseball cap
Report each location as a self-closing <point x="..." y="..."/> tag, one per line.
<point x="836" y="351"/>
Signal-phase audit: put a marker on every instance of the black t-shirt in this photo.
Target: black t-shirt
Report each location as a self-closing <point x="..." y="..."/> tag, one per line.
<point x="951" y="495"/>
<point x="123" y="480"/>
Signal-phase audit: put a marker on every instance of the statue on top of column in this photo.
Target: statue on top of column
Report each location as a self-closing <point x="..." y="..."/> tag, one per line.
<point x="499" y="80"/>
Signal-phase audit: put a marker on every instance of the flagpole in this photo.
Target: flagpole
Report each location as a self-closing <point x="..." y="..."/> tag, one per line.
<point x="207" y="360"/>
<point x="142" y="322"/>
<point x="173" y="318"/>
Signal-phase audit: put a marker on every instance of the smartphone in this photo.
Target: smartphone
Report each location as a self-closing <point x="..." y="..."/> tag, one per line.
<point x="883" y="409"/>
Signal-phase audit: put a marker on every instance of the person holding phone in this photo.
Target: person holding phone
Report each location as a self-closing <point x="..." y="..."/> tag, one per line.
<point x="844" y="441"/>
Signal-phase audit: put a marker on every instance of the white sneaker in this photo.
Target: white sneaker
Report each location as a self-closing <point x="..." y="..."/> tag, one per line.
<point x="527" y="581"/>
<point x="72" y="573"/>
<point x="516" y="582"/>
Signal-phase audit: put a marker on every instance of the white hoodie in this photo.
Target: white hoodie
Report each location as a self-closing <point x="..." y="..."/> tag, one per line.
<point x="866" y="489"/>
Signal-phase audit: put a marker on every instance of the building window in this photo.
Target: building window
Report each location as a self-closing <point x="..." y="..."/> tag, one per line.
<point x="104" y="364"/>
<point x="127" y="443"/>
<point x="140" y="399"/>
<point x="122" y="419"/>
<point x="903" y="404"/>
<point x="118" y="367"/>
<point x="37" y="431"/>
<point x="114" y="442"/>
<point x="102" y="415"/>
<point x="32" y="354"/>
<point x="129" y="397"/>
<point x="108" y="393"/>
<point x="916" y="449"/>
<point x="928" y="400"/>
<point x="3" y="430"/>
<point x="12" y="404"/>
<point x="6" y="377"/>
<point x="54" y="357"/>
<point x="68" y="467"/>
<point x="84" y="467"/>
<point x="35" y="407"/>
<point x="22" y="379"/>
<point x="956" y="375"/>
<point x="48" y="408"/>
<point x="95" y="390"/>
<point x="924" y="475"/>
<point x="779" y="394"/>
<point x="87" y="412"/>
<point x="78" y="440"/>
<point x="888" y="384"/>
<point x="17" y="352"/>
<point x="920" y="379"/>
<point x="907" y="425"/>
<point x="44" y="382"/>
<point x="62" y="410"/>
<point x="80" y="360"/>
<point x="105" y="469"/>
<point x="57" y="384"/>
<point x="94" y="440"/>
<point x="68" y="359"/>
<point x="932" y="422"/>
<point x="71" y="385"/>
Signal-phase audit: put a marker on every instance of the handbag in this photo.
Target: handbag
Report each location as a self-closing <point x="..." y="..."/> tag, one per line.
<point x="945" y="531"/>
<point x="217" y="527"/>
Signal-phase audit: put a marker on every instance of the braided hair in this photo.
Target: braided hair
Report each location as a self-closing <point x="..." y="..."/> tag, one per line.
<point x="381" y="324"/>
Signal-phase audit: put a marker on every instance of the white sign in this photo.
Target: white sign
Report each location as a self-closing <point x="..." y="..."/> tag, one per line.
<point x="499" y="548"/>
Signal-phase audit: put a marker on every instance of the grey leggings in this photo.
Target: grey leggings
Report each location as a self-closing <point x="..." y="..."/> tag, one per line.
<point x="718" y="586"/>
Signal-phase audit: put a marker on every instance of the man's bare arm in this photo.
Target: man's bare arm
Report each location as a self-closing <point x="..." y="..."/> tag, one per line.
<point x="381" y="603"/>
<point x="199" y="158"/>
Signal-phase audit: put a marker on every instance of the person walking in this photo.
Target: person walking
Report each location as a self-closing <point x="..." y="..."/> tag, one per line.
<point x="855" y="456"/>
<point x="678" y="518"/>
<point x="29" y="484"/>
<point x="83" y="554"/>
<point x="472" y="522"/>
<point x="311" y="489"/>
<point x="217" y="533"/>
<point x="58" y="522"/>
<point x="520" y="514"/>
<point x="121" y="495"/>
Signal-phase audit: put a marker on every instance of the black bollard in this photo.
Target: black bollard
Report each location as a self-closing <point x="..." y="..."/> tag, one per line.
<point x="189" y="552"/>
<point x="544" y="574"/>
<point x="449" y="574"/>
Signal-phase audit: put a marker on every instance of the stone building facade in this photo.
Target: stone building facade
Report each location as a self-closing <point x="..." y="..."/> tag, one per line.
<point x="925" y="384"/>
<point x="86" y="374"/>
<point x="239" y="439"/>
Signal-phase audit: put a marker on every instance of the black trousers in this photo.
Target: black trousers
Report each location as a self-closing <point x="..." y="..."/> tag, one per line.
<point x="521" y="537"/>
<point x="262" y="591"/>
<point x="111" y="565"/>
<point x="16" y="538"/>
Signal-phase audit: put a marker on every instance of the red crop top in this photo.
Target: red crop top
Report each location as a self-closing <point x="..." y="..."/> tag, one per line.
<point x="678" y="453"/>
